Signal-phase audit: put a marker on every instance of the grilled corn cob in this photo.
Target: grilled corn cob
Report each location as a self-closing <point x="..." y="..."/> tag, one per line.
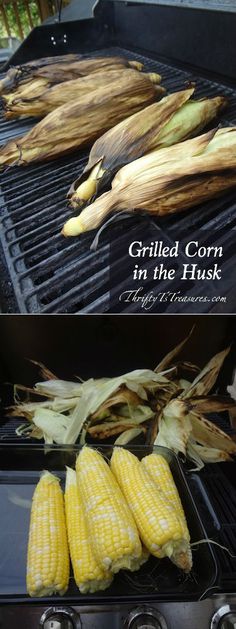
<point x="159" y="470"/>
<point x="173" y="119"/>
<point x="78" y="124"/>
<point x="62" y="93"/>
<point x="55" y="71"/>
<point x="113" y="533"/>
<point x="167" y="181"/>
<point x="88" y="575"/>
<point x="48" y="556"/>
<point x="160" y="527"/>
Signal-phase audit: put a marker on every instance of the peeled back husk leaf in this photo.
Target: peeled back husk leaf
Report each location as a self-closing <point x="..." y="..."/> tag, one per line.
<point x="204" y="454"/>
<point x="167" y="181"/>
<point x="57" y="95"/>
<point x="109" y="429"/>
<point x="127" y="436"/>
<point x="167" y="361"/>
<point x="162" y="124"/>
<point x="206" y="433"/>
<point x="174" y="427"/>
<point x="206" y="379"/>
<point x="77" y="124"/>
<point x="59" y="69"/>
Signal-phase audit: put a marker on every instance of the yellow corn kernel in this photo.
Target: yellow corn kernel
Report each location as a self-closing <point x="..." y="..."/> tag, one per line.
<point x="88" y="574"/>
<point x="113" y="533"/>
<point x="48" y="556"/>
<point x="160" y="528"/>
<point x="159" y="470"/>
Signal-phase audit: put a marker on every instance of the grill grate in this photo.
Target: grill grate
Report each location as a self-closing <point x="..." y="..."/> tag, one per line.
<point x="51" y="274"/>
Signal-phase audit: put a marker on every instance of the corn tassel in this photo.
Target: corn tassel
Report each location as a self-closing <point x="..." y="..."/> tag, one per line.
<point x="160" y="527"/>
<point x="78" y="124"/>
<point x="167" y="181"/>
<point x="88" y="575"/>
<point x="48" y="556"/>
<point x="175" y="118"/>
<point x="113" y="533"/>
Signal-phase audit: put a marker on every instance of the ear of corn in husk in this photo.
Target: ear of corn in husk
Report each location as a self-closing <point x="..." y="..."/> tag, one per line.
<point x="62" y="93"/>
<point x="160" y="527"/>
<point x="59" y="69"/>
<point x="78" y="124"/>
<point x="175" y="118"/>
<point x="167" y="181"/>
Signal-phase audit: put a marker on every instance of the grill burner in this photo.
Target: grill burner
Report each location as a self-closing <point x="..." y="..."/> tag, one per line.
<point x="51" y="274"/>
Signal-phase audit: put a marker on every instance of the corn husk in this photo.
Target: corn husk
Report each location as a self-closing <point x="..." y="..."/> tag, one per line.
<point x="183" y="427"/>
<point x="167" y="181"/>
<point x="59" y="69"/>
<point x="78" y="124"/>
<point x="127" y="393"/>
<point x="162" y="124"/>
<point x="62" y="93"/>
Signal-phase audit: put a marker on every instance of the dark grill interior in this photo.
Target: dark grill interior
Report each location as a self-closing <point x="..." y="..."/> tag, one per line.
<point x="52" y="274"/>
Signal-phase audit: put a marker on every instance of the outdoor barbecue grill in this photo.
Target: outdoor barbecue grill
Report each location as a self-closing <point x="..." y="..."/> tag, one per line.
<point x="207" y="598"/>
<point x="40" y="270"/>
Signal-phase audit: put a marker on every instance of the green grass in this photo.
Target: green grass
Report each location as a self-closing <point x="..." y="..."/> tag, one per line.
<point x="23" y="18"/>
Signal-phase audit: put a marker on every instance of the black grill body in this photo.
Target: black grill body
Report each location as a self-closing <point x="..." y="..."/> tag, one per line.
<point x="40" y="270"/>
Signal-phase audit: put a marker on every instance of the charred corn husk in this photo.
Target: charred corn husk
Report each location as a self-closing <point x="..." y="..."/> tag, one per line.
<point x="167" y="181"/>
<point x="88" y="574"/>
<point x="174" y="119"/>
<point x="29" y="90"/>
<point x="48" y="555"/>
<point x="159" y="525"/>
<point x="112" y="530"/>
<point x="78" y="124"/>
<point x="55" y="71"/>
<point x="42" y="104"/>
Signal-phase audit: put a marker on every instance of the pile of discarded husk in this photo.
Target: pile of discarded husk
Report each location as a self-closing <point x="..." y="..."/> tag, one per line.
<point x="159" y="407"/>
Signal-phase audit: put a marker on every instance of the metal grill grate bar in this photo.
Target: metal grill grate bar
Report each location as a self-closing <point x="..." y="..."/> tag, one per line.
<point x="52" y="274"/>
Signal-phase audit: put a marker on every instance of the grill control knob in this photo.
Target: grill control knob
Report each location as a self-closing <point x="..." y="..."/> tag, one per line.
<point x="224" y="618"/>
<point x="60" y="618"/>
<point x="145" y="618"/>
<point x="228" y="622"/>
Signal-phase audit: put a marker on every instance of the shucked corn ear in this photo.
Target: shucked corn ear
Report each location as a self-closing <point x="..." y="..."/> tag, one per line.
<point x="59" y="69"/>
<point x="62" y="93"/>
<point x="159" y="525"/>
<point x="159" y="470"/>
<point x="88" y="574"/>
<point x="173" y="119"/>
<point x="78" y="124"/>
<point x="113" y="533"/>
<point x="167" y="181"/>
<point x="48" y="556"/>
